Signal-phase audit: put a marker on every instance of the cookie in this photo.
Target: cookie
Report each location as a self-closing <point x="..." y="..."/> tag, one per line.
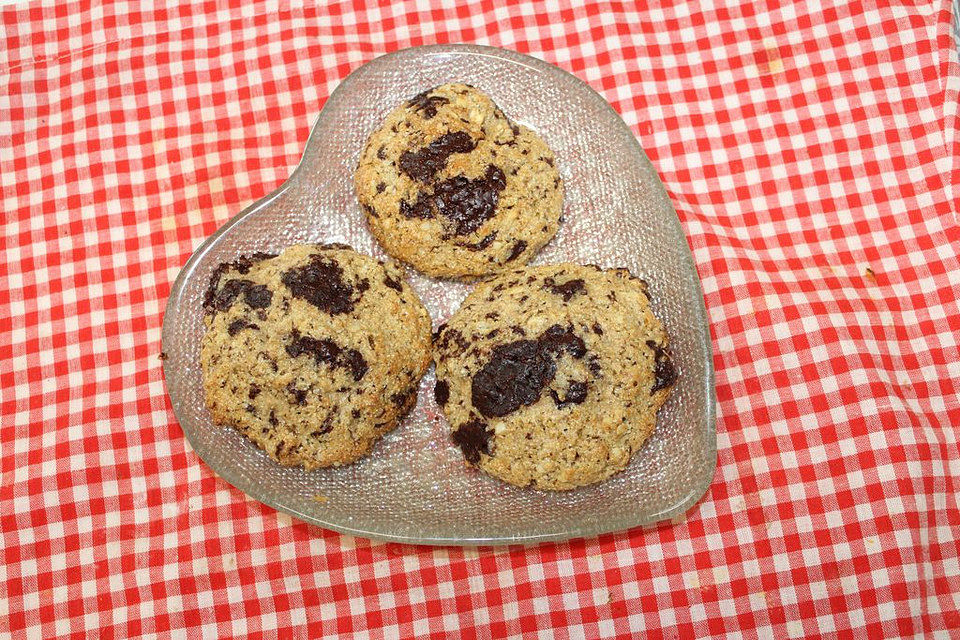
<point x="552" y="376"/>
<point x="451" y="186"/>
<point x="313" y="354"/>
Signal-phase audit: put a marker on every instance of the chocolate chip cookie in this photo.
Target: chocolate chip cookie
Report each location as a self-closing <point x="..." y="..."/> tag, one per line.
<point x="313" y="354"/>
<point x="552" y="376"/>
<point x="450" y="185"/>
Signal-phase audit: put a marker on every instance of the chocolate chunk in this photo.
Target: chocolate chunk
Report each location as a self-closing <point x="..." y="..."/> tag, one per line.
<point x="381" y="153"/>
<point x="420" y="209"/>
<point x="224" y="298"/>
<point x="549" y="161"/>
<point x="239" y="325"/>
<point x="400" y="399"/>
<point x="483" y="244"/>
<point x="325" y="351"/>
<point x="355" y="413"/>
<point x="558" y="339"/>
<point x="664" y="371"/>
<point x="273" y="418"/>
<point x="162" y="355"/>
<point x="254" y="391"/>
<point x="393" y="283"/>
<point x="300" y="395"/>
<point x="466" y="204"/>
<point x="381" y="186"/>
<point x="518" y="371"/>
<point x="514" y="377"/>
<point x="446" y="336"/>
<point x="325" y="428"/>
<point x="424" y="163"/>
<point x="597" y="329"/>
<point x="493" y="315"/>
<point x="567" y="290"/>
<point x="251" y="408"/>
<point x="473" y="439"/>
<point x="258" y="296"/>
<point x="320" y="282"/>
<point x="330" y="246"/>
<point x="427" y="104"/>
<point x="241" y="265"/>
<point x="441" y="392"/>
<point x="469" y="203"/>
<point x="576" y="394"/>
<point x="518" y="248"/>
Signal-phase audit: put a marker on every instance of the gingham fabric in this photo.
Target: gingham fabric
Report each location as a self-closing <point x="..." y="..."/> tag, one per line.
<point x="811" y="153"/>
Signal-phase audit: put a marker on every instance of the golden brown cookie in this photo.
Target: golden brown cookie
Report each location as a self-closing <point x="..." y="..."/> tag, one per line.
<point x="451" y="186"/>
<point x="313" y="354"/>
<point x="552" y="376"/>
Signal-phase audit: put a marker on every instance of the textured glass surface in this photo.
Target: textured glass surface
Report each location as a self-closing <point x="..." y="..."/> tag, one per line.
<point x="416" y="487"/>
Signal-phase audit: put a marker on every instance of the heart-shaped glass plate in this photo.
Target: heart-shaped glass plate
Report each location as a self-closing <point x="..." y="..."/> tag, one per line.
<point x="415" y="486"/>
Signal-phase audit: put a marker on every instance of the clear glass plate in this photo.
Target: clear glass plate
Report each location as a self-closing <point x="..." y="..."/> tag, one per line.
<point x="415" y="487"/>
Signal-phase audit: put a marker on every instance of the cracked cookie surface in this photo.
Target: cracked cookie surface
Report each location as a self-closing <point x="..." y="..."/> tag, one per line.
<point x="552" y="376"/>
<point x="313" y="354"/>
<point x="451" y="186"/>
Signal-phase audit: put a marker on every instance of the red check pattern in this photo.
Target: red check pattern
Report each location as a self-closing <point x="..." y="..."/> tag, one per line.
<point x="811" y="152"/>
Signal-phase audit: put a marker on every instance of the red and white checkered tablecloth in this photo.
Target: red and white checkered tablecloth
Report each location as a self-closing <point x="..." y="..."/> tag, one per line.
<point x="812" y="155"/>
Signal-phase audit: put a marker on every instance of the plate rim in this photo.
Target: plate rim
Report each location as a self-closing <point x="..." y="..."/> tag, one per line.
<point x="705" y="343"/>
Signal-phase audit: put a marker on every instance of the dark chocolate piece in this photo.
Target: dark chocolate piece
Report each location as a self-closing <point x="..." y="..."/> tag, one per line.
<point x="576" y="394"/>
<point x="485" y="242"/>
<point x="428" y="161"/>
<point x="427" y="104"/>
<point x="441" y="392"/>
<point x="664" y="371"/>
<point x="465" y="203"/>
<point x="325" y="351"/>
<point x="518" y="248"/>
<point x="473" y="439"/>
<point x="518" y="371"/>
<point x="241" y="265"/>
<point x="394" y="284"/>
<point x="299" y="394"/>
<point x="566" y="290"/>
<point x="320" y="282"/>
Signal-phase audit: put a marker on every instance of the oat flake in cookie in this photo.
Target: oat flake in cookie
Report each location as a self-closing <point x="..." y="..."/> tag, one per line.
<point x="313" y="354"/>
<point x="552" y="376"/>
<point x="453" y="187"/>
